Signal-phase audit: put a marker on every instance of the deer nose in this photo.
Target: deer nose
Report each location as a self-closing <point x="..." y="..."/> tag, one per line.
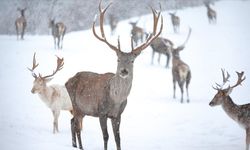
<point x="211" y="103"/>
<point x="124" y="73"/>
<point x="32" y="90"/>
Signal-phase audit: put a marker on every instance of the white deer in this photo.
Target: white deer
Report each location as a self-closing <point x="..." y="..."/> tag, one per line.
<point x="55" y="96"/>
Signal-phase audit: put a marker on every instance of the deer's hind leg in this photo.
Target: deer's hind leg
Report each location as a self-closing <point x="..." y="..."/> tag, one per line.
<point x="76" y="131"/>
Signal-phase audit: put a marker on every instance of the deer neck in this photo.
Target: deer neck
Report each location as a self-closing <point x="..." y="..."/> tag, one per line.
<point x="46" y="95"/>
<point x="232" y="109"/>
<point x="120" y="87"/>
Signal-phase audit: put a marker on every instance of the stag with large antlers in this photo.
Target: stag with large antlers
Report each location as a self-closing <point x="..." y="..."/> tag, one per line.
<point x="211" y="14"/>
<point x="55" y="96"/>
<point x="180" y="70"/>
<point x="21" y="24"/>
<point x="58" y="31"/>
<point x="105" y="95"/>
<point x="239" y="113"/>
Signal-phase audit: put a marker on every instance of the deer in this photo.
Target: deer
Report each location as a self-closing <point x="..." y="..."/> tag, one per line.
<point x="58" y="31"/>
<point x="175" y="22"/>
<point x="158" y="46"/>
<point x="238" y="113"/>
<point x="137" y="32"/>
<point x="113" y="23"/>
<point x="181" y="72"/>
<point x="211" y="14"/>
<point x="54" y="96"/>
<point x="105" y="95"/>
<point x="21" y="24"/>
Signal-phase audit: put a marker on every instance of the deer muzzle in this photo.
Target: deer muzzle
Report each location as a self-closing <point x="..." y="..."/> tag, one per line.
<point x="211" y="104"/>
<point x="123" y="73"/>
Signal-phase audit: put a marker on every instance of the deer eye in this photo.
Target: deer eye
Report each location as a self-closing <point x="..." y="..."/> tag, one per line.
<point x="118" y="60"/>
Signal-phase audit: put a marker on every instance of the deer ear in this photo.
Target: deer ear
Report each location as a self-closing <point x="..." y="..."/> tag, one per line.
<point x="228" y="91"/>
<point x="47" y="79"/>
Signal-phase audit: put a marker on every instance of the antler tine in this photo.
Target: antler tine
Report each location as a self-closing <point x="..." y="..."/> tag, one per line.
<point x="34" y="66"/>
<point x="240" y="79"/>
<point x="103" y="37"/>
<point x="153" y="36"/>
<point x="225" y="78"/>
<point x="60" y="63"/>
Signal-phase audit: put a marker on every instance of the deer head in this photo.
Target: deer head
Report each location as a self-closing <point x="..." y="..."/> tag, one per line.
<point x="126" y="59"/>
<point x="222" y="93"/>
<point x="40" y="81"/>
<point x="22" y="11"/>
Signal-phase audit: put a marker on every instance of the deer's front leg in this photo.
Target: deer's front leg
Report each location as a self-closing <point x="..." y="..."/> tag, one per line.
<point x="55" y="123"/>
<point x="116" y="130"/>
<point x="247" y="138"/>
<point x="103" y="123"/>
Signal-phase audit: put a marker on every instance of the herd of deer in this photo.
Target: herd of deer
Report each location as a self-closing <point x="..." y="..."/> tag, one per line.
<point x="105" y="95"/>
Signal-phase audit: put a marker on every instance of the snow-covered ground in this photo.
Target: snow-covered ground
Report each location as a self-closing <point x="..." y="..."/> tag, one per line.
<point x="152" y="118"/>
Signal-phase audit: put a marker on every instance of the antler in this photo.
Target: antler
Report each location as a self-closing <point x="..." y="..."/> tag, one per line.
<point x="139" y="48"/>
<point x="103" y="37"/>
<point x="224" y="78"/>
<point x="60" y="64"/>
<point x="240" y="79"/>
<point x="152" y="36"/>
<point x="34" y="66"/>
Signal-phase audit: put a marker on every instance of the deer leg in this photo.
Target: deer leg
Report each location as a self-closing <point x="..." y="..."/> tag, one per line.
<point x="58" y="43"/>
<point x="181" y="88"/>
<point x="153" y="54"/>
<point x="55" y="123"/>
<point x="247" y="138"/>
<point x="116" y="130"/>
<point x="159" y="58"/>
<point x="167" y="63"/>
<point x="174" y="86"/>
<point x="187" y="84"/>
<point x="103" y="123"/>
<point x="73" y="132"/>
<point x="54" y="42"/>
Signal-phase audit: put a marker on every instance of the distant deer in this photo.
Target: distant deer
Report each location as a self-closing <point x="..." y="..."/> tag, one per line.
<point x="55" y="96"/>
<point x="162" y="46"/>
<point x="137" y="32"/>
<point x="175" y="22"/>
<point x="180" y="70"/>
<point x="21" y="24"/>
<point x="105" y="95"/>
<point x="58" y="32"/>
<point x="239" y="113"/>
<point x="113" y="23"/>
<point x="211" y="14"/>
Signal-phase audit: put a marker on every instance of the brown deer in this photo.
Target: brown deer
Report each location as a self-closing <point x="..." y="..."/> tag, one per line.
<point x="58" y="31"/>
<point x="162" y="46"/>
<point x="21" y="24"/>
<point x="239" y="113"/>
<point x="175" y="22"/>
<point x="113" y="23"/>
<point x="211" y="14"/>
<point x="137" y="32"/>
<point x="180" y="70"/>
<point x="55" y="96"/>
<point x="105" y="95"/>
